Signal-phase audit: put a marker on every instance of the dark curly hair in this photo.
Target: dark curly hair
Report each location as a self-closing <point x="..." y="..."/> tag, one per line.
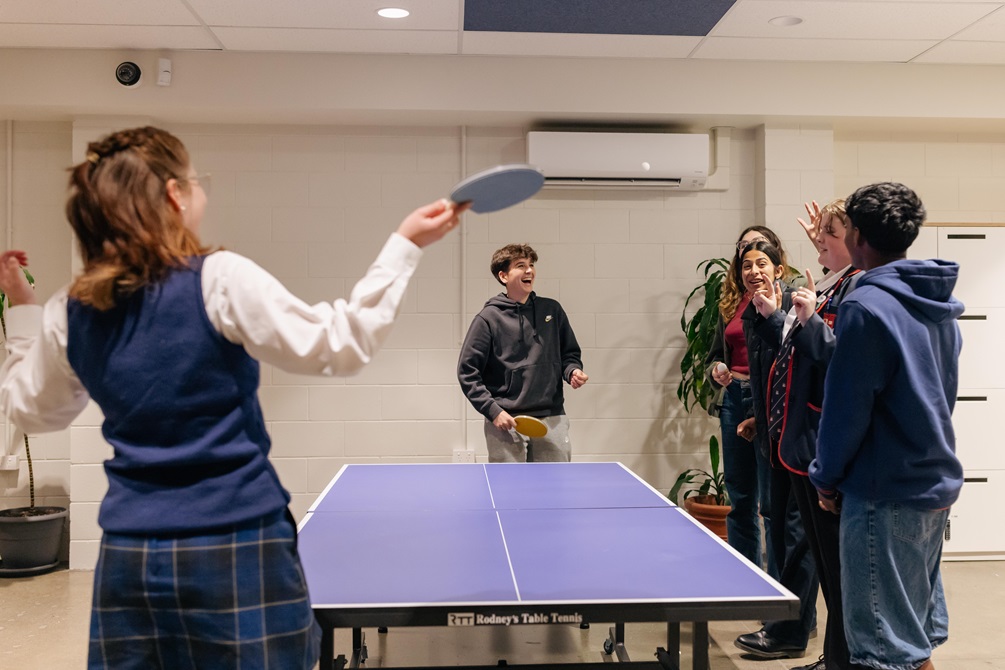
<point x="732" y="283"/>
<point x="773" y="253"/>
<point x="888" y="215"/>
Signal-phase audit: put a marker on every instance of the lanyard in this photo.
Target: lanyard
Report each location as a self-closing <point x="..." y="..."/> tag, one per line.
<point x="825" y="309"/>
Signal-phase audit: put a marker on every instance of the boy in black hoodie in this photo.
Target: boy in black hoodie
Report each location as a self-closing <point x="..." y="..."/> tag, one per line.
<point x="517" y="353"/>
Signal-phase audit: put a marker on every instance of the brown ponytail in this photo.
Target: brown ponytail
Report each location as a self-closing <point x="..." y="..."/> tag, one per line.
<point x="130" y="235"/>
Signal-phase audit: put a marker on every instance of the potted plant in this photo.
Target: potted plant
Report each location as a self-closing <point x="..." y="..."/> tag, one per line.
<point x="705" y="496"/>
<point x="30" y="537"/>
<point x="704" y="492"/>
<point x="694" y="387"/>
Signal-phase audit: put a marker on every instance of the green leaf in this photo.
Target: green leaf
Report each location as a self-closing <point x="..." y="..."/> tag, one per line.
<point x="713" y="453"/>
<point x="699" y="331"/>
<point x="694" y="387"/>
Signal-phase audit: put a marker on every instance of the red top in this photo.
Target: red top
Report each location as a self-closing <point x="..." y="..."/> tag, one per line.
<point x="736" y="342"/>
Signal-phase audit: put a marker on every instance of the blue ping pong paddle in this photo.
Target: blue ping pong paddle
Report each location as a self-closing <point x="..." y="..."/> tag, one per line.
<point x="498" y="188"/>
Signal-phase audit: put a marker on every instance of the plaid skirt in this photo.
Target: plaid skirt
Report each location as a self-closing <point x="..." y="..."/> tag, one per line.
<point x="226" y="599"/>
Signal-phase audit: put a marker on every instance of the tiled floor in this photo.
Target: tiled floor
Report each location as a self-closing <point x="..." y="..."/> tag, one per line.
<point x="43" y="625"/>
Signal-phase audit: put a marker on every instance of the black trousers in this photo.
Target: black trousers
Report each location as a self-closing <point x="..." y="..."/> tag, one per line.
<point x="797" y="572"/>
<point x="823" y="530"/>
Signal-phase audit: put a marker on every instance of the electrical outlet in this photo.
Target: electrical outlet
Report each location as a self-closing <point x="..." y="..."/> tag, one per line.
<point x="8" y="463"/>
<point x="464" y="456"/>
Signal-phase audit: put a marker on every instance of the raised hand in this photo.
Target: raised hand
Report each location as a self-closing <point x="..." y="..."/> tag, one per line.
<point x="812" y="229"/>
<point x="767" y="300"/>
<point x="12" y="280"/>
<point x="804" y="300"/>
<point x="431" y="222"/>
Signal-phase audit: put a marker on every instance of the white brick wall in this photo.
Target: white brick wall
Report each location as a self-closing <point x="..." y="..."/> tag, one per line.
<point x="313" y="206"/>
<point x="959" y="177"/>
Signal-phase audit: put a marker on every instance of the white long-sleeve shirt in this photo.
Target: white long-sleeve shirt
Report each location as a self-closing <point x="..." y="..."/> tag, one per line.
<point x="39" y="391"/>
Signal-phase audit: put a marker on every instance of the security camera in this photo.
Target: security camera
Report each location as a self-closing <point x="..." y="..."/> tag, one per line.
<point x="128" y="73"/>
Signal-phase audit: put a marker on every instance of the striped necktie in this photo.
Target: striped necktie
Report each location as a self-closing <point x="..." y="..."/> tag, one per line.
<point x="778" y="383"/>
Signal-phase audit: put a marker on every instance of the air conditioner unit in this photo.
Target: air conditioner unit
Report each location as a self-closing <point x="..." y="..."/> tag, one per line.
<point x="601" y="160"/>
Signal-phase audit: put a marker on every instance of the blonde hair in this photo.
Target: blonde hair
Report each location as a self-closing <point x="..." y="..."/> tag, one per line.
<point x="836" y="209"/>
<point x="130" y="235"/>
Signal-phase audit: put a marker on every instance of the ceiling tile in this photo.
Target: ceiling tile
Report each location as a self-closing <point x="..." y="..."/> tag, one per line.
<point x="832" y="30"/>
<point x="859" y="20"/>
<point x="753" y="48"/>
<point x="595" y="17"/>
<point x="965" y="52"/>
<point x="338" y="41"/>
<point x="98" y="12"/>
<point x="550" y="44"/>
<point x="106" y="37"/>
<point x="989" y="29"/>
<point x="345" y="14"/>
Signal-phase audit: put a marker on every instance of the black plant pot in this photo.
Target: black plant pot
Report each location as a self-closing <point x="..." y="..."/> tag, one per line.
<point x="30" y="539"/>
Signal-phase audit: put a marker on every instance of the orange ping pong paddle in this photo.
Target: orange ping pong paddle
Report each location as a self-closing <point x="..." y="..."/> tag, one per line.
<point x="529" y="426"/>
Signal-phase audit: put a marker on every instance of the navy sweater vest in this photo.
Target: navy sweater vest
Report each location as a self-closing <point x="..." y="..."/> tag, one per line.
<point x="181" y="412"/>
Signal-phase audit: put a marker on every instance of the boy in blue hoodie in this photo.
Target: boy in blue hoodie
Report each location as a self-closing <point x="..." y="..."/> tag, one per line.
<point x="517" y="353"/>
<point x="886" y="458"/>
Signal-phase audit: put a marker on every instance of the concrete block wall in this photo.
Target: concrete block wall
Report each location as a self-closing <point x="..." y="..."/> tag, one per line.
<point x="313" y="205"/>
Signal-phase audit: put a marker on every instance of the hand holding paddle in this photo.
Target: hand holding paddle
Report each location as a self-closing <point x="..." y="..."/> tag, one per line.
<point x="530" y="426"/>
<point x="429" y="223"/>
<point x="504" y="421"/>
<point x="486" y="191"/>
<point x="805" y="300"/>
<point x="498" y="188"/>
<point x="523" y="424"/>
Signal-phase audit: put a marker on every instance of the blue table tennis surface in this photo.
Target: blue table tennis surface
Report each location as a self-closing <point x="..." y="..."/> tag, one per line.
<point x="483" y="536"/>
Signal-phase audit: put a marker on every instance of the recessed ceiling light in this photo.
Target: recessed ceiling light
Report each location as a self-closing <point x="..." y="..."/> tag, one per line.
<point x="393" y="13"/>
<point x="785" y="21"/>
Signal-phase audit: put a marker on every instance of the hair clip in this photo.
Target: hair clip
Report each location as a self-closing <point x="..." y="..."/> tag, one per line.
<point x="93" y="157"/>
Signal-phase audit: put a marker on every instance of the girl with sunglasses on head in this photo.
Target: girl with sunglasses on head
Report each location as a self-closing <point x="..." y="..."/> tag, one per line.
<point x="746" y="469"/>
<point x="762" y="271"/>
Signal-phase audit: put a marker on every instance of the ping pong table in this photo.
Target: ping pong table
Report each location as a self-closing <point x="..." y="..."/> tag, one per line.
<point x="513" y="544"/>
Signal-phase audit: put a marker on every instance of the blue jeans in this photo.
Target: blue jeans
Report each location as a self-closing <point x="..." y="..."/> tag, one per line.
<point x="894" y="607"/>
<point x="748" y="474"/>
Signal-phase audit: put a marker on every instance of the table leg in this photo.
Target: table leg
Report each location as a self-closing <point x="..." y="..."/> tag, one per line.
<point x="700" y="644"/>
<point x="327" y="649"/>
<point x="665" y="660"/>
<point x="673" y="639"/>
<point x="615" y="642"/>
<point x="358" y="648"/>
